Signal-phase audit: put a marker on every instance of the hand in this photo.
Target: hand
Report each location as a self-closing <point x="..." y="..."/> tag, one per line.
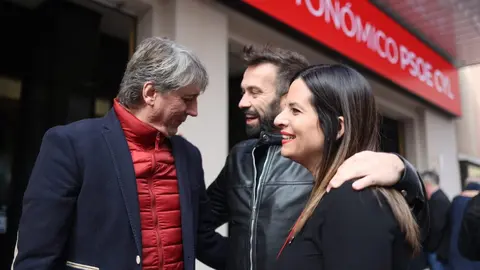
<point x="370" y="169"/>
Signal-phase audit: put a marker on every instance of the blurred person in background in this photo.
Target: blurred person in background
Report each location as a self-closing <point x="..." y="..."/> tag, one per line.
<point x="469" y="236"/>
<point x="123" y="192"/>
<point x="456" y="260"/>
<point x="436" y="246"/>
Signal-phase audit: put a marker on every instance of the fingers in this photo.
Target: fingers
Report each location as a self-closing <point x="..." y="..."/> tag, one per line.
<point x="364" y="182"/>
<point x="346" y="175"/>
<point x="352" y="168"/>
<point x="347" y="171"/>
<point x="343" y="172"/>
<point x="329" y="187"/>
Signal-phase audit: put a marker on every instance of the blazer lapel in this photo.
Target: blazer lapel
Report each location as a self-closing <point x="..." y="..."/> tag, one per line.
<point x="125" y="172"/>
<point x="181" y="166"/>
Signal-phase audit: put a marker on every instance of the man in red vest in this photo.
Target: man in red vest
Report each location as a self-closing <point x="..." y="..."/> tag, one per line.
<point x="123" y="192"/>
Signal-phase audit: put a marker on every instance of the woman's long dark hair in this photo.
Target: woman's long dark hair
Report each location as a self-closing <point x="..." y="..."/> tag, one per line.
<point x="338" y="90"/>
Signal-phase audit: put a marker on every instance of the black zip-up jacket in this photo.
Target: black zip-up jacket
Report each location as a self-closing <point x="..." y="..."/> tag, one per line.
<point x="260" y="194"/>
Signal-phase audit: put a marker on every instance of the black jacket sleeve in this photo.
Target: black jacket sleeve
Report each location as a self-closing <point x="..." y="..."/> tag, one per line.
<point x="412" y="188"/>
<point x="211" y="247"/>
<point x="217" y="193"/>
<point x="469" y="237"/>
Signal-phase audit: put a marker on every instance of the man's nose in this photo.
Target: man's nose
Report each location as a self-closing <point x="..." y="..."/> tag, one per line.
<point x="244" y="102"/>
<point x="192" y="110"/>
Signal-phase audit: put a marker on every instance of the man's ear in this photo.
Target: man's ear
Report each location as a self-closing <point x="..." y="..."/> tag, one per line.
<point x="149" y="93"/>
<point x="341" y="127"/>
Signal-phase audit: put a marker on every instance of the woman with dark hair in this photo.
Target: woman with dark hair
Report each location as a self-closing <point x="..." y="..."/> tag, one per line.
<point x="330" y="115"/>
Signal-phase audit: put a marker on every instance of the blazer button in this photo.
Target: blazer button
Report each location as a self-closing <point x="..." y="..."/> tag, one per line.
<point x="138" y="259"/>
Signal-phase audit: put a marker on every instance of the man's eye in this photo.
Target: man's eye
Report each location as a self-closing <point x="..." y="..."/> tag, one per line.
<point x="295" y="111"/>
<point x="255" y="91"/>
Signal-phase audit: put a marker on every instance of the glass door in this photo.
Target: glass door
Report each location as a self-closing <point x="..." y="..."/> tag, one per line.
<point x="10" y="92"/>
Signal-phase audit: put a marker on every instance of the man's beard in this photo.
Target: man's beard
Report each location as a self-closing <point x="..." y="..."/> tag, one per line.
<point x="265" y="121"/>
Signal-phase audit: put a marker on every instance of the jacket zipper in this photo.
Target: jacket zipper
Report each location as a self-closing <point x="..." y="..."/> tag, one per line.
<point x="256" y="191"/>
<point x="154" y="203"/>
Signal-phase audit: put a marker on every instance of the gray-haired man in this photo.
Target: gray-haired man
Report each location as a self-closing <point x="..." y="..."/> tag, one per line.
<point x="122" y="192"/>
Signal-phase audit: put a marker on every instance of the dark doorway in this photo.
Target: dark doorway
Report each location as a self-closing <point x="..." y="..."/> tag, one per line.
<point x="60" y="63"/>
<point x="391" y="136"/>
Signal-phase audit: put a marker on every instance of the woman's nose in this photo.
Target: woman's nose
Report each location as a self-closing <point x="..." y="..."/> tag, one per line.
<point x="280" y="120"/>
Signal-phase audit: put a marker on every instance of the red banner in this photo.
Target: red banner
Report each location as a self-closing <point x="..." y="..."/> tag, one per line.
<point x="360" y="31"/>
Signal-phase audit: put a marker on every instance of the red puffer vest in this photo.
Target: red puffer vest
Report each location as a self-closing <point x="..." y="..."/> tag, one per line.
<point x="158" y="195"/>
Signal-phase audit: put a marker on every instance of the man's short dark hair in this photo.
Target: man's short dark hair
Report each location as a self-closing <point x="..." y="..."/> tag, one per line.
<point x="431" y="176"/>
<point x="288" y="62"/>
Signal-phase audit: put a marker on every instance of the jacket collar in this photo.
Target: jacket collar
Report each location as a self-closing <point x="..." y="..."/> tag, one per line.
<point x="134" y="129"/>
<point x="125" y="173"/>
<point x="269" y="138"/>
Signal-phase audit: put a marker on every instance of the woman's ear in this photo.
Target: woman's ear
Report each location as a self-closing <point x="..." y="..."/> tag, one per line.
<point x="341" y="127"/>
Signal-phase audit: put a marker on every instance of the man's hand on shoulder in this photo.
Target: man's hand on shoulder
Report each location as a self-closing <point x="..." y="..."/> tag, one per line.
<point x="369" y="169"/>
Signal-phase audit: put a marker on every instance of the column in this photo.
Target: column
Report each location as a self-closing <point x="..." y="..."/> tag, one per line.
<point x="441" y="147"/>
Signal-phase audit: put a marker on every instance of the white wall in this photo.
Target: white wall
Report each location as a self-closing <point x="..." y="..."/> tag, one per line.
<point x="441" y="146"/>
<point x="468" y="126"/>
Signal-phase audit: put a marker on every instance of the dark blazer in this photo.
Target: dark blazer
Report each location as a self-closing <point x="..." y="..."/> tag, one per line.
<point x="81" y="210"/>
<point x="348" y="230"/>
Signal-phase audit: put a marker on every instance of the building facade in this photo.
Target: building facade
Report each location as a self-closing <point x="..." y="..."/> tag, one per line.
<point x="417" y="90"/>
<point x="412" y="84"/>
<point x="468" y="126"/>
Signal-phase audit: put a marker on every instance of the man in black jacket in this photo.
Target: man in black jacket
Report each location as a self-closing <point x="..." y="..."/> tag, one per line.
<point x="259" y="192"/>
<point x="436" y="247"/>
